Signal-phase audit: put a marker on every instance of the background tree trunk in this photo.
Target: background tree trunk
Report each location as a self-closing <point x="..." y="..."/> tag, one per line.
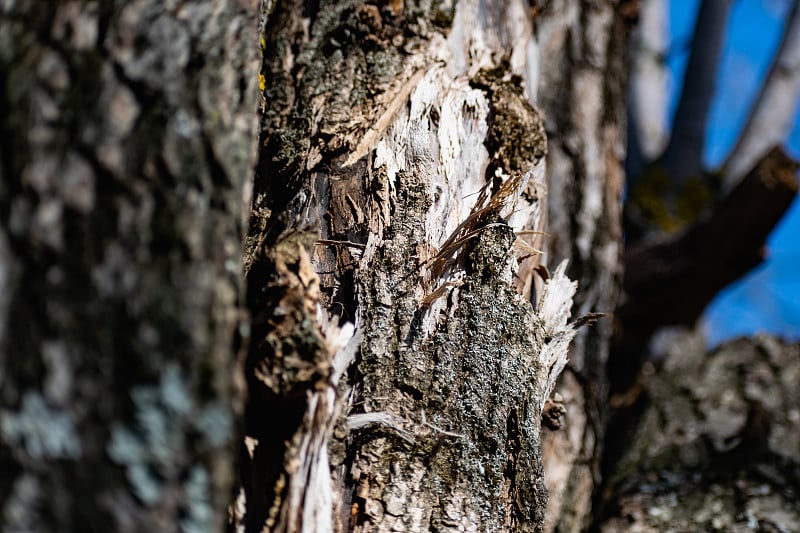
<point x="691" y="434"/>
<point x="402" y="160"/>
<point x="770" y="120"/>
<point x="128" y="134"/>
<point x="582" y="91"/>
<point x="718" y="444"/>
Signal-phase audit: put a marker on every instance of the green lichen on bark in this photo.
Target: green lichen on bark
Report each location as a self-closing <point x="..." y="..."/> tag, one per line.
<point x="475" y="377"/>
<point x="516" y="139"/>
<point x="659" y="204"/>
<point x="127" y="135"/>
<point x="492" y="340"/>
<point x="717" y="446"/>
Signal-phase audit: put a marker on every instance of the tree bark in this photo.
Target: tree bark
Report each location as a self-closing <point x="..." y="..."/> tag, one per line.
<point x="421" y="165"/>
<point x="718" y="445"/>
<point x="128" y="134"/>
<point x="584" y="50"/>
<point x="403" y="162"/>
<point x="671" y="280"/>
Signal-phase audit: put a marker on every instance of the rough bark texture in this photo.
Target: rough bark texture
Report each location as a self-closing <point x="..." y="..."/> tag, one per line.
<point x="406" y="334"/>
<point x="581" y="92"/>
<point x="403" y="159"/>
<point x="128" y="134"/>
<point x="718" y="446"/>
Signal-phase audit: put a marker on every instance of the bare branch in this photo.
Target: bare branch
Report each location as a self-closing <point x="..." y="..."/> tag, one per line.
<point x="773" y="113"/>
<point x="671" y="281"/>
<point x="683" y="157"/>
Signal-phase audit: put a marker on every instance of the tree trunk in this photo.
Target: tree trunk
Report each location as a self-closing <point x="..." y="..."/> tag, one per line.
<point x="718" y="444"/>
<point x="421" y="166"/>
<point x="405" y="332"/>
<point x="582" y="88"/>
<point x="128" y="134"/>
<point x="402" y="189"/>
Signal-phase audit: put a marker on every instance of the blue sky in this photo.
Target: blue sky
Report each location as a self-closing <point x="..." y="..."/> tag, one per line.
<point x="767" y="299"/>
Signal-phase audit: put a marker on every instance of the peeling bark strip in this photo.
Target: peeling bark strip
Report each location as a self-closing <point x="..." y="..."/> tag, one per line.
<point x="127" y="134"/>
<point x="296" y="360"/>
<point x="402" y="158"/>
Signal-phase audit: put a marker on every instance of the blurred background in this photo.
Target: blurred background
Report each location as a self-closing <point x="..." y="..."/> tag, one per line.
<point x="768" y="298"/>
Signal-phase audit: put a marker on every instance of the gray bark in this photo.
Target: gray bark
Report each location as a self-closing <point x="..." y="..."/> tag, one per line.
<point x="405" y="333"/>
<point x="686" y="439"/>
<point x="403" y="162"/>
<point x="128" y="133"/>
<point x="718" y="445"/>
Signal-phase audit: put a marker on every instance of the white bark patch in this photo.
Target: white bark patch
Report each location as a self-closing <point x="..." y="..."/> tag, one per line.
<point x="649" y="78"/>
<point x="451" y="155"/>
<point x="483" y="32"/>
<point x="554" y="310"/>
<point x="525" y="215"/>
<point x="310" y="498"/>
<point x="79" y="23"/>
<point x="168" y="51"/>
<point x="58" y="384"/>
<point x="589" y="100"/>
<point x="25" y="494"/>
